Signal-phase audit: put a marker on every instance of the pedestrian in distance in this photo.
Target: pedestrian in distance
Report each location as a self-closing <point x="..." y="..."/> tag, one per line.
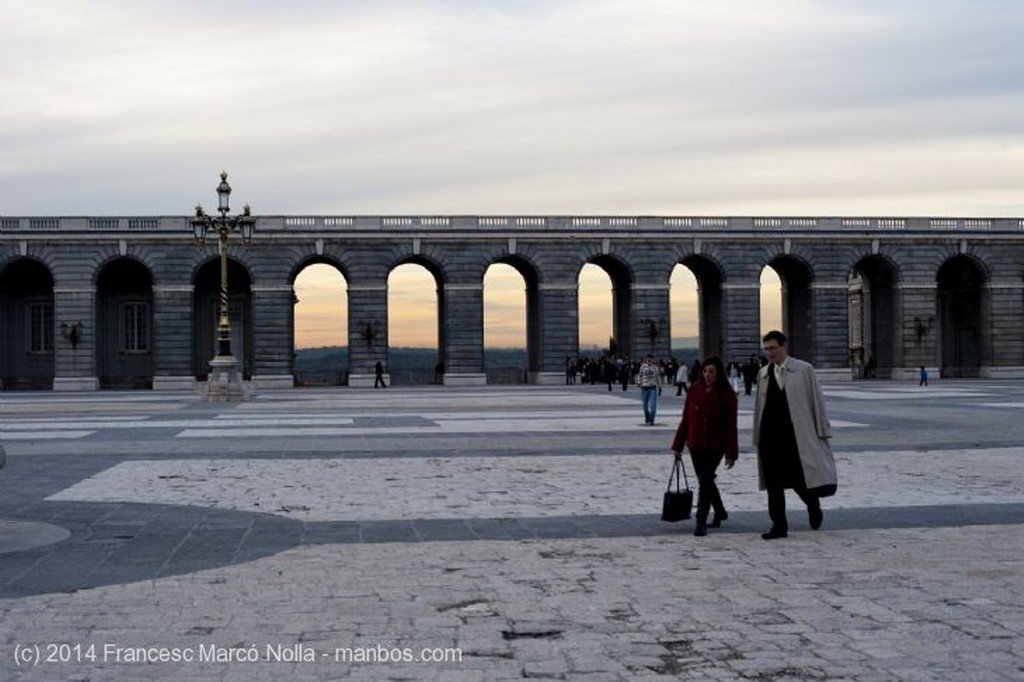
<point x="923" y="377"/>
<point x="708" y="429"/>
<point x="682" y="374"/>
<point x="749" y="370"/>
<point x="378" y="375"/>
<point x="791" y="434"/>
<point x="647" y="379"/>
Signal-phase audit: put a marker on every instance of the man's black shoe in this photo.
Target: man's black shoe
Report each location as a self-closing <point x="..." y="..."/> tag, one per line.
<point x="815" y="516"/>
<point x="773" y="534"/>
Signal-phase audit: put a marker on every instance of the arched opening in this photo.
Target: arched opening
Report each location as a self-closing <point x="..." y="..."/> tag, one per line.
<point x="604" y="306"/>
<point x="206" y="304"/>
<point x="510" y="318"/>
<point x="594" y="300"/>
<point x="415" y="337"/>
<point x="684" y="311"/>
<point x="27" y="333"/>
<point x="874" y="331"/>
<point x="320" y="323"/>
<point x="962" y="305"/>
<point x="796" y="305"/>
<point x="771" y="301"/>
<point x="124" y="325"/>
<point x="696" y="306"/>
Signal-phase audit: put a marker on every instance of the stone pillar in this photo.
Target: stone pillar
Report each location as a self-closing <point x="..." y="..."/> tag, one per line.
<point x="367" y="332"/>
<point x="463" y="337"/>
<point x="558" y="330"/>
<point x="831" y="349"/>
<point x="1006" y="310"/>
<point x="75" y="362"/>
<point x="273" y="327"/>
<point x="651" y="321"/>
<point x="741" y="319"/>
<point x="172" y="337"/>
<point x="920" y="329"/>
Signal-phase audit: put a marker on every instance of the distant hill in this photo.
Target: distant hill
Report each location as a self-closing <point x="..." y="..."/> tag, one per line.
<point x="328" y="366"/>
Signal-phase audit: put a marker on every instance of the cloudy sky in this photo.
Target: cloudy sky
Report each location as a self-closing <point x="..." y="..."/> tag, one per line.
<point x="615" y="107"/>
<point x="780" y="107"/>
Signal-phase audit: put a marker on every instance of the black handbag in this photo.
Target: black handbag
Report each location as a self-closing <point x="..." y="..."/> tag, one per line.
<point x="676" y="506"/>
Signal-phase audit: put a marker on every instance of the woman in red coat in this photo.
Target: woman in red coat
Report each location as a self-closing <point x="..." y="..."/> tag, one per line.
<point x="708" y="428"/>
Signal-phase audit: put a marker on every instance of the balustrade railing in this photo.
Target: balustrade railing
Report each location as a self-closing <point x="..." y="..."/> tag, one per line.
<point x="513" y="223"/>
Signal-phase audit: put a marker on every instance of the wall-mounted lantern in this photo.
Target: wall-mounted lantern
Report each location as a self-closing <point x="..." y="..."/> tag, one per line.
<point x="72" y="332"/>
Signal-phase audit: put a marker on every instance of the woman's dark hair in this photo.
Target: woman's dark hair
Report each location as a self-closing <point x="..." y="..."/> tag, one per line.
<point x="721" y="380"/>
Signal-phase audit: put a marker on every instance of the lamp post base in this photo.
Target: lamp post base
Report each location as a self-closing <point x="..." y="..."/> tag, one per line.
<point x="225" y="384"/>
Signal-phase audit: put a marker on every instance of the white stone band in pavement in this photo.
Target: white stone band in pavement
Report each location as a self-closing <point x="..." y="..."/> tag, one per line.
<point x="368" y="489"/>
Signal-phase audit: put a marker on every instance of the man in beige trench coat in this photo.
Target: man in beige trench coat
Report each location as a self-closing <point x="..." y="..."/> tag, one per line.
<point x="791" y="433"/>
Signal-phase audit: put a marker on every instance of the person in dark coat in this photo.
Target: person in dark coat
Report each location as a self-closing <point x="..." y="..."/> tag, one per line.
<point x="791" y="433"/>
<point x="708" y="428"/>
<point x="378" y="375"/>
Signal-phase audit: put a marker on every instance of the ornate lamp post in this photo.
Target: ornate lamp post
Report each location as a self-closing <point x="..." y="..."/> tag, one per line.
<point x="224" y="380"/>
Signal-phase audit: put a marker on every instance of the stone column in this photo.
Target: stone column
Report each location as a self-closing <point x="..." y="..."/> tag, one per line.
<point x="920" y="329"/>
<point x="273" y="325"/>
<point x="463" y="339"/>
<point x="651" y="321"/>
<point x="558" y="330"/>
<point x="172" y="337"/>
<point x="75" y="363"/>
<point x="1006" y="310"/>
<point x="831" y="349"/>
<point x="367" y="332"/>
<point x="741" y="319"/>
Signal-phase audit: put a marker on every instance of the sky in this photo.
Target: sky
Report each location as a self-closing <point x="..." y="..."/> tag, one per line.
<point x="591" y="107"/>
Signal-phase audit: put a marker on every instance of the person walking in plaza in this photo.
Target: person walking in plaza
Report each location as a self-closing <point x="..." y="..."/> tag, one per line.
<point x="378" y="375"/>
<point x="923" y="381"/>
<point x="682" y="374"/>
<point x="791" y="434"/>
<point x="647" y="379"/>
<point x="708" y="429"/>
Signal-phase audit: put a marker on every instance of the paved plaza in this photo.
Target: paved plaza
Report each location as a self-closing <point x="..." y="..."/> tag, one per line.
<point x="499" y="533"/>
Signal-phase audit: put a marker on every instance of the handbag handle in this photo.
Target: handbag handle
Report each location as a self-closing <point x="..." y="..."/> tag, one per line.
<point x="676" y="466"/>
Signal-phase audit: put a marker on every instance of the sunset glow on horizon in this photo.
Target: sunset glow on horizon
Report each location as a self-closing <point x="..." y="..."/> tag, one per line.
<point x="321" y="313"/>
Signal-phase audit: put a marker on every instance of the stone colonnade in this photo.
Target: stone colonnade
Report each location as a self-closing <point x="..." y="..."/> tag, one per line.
<point x="899" y="293"/>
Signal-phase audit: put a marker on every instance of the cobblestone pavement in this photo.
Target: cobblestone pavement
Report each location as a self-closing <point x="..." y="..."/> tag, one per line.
<point x="487" y="534"/>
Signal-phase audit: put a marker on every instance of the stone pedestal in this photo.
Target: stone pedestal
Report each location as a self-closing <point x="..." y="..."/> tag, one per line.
<point x="75" y="384"/>
<point x="546" y="378"/>
<point x="465" y="379"/>
<point x="225" y="383"/>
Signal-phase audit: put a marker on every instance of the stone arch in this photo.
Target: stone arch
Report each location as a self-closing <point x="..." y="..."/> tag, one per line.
<point x="124" y="324"/>
<point x="963" y="314"/>
<point x="28" y="329"/>
<point x="875" y="336"/>
<point x="334" y="368"/>
<point x="324" y="259"/>
<point x="797" y="304"/>
<point x="622" y="300"/>
<point x="206" y="310"/>
<point x="531" y="279"/>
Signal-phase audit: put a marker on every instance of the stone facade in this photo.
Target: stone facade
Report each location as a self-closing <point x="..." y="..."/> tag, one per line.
<point x="94" y="302"/>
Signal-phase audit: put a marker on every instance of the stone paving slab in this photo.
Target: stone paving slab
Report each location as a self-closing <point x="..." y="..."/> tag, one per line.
<point x="844" y="605"/>
<point x="299" y="545"/>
